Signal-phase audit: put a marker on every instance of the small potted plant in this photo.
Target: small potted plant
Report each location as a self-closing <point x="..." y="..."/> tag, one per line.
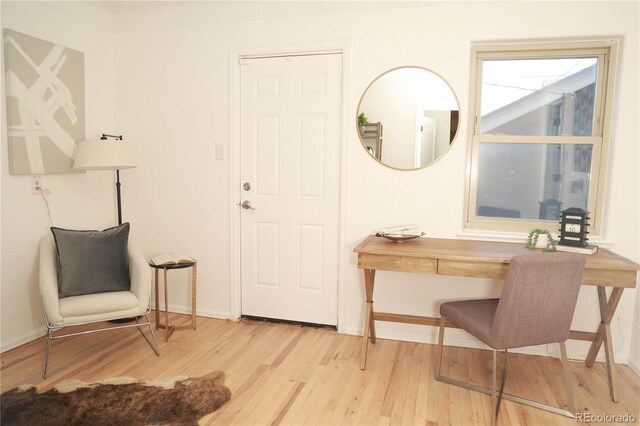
<point x="362" y="123"/>
<point x="541" y="238"/>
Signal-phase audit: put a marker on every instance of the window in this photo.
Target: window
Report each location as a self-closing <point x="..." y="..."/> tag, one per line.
<point x="540" y="118"/>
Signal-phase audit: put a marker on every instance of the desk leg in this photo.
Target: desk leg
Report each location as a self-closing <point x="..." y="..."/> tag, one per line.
<point x="369" y="324"/>
<point x="157" y="299"/>
<point x="193" y="295"/>
<point x="607" y="310"/>
<point x="369" y="289"/>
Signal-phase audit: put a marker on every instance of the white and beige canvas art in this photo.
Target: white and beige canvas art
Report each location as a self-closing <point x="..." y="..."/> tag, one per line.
<point x="45" y="104"/>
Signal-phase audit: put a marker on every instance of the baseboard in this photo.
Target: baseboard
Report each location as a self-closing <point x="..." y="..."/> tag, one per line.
<point x="396" y="335"/>
<point x="35" y="334"/>
<point x="23" y="339"/>
<point x="634" y="364"/>
<point x="209" y="313"/>
<point x="543" y="350"/>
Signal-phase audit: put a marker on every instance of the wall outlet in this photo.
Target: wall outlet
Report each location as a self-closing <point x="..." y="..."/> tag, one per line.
<point x="36" y="185"/>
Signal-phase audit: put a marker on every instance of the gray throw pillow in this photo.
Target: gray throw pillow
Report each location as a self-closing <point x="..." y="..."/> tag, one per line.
<point x="92" y="261"/>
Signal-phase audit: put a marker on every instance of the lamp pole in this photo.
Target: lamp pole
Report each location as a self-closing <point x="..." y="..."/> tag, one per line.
<point x="118" y="199"/>
<point x="118" y="196"/>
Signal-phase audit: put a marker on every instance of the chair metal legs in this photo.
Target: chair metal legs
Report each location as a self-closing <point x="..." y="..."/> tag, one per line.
<point x="495" y="404"/>
<point x="51" y="329"/>
<point x="571" y="401"/>
<point x="151" y="342"/>
<point x="498" y="395"/>
<point x="440" y="347"/>
<point x="47" y="349"/>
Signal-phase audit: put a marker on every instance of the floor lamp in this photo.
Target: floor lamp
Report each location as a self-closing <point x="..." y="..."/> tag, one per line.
<point x="105" y="154"/>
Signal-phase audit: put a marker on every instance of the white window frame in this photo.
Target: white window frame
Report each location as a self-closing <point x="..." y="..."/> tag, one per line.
<point x="606" y="51"/>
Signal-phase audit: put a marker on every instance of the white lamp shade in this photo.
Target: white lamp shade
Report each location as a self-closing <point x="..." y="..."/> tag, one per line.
<point x="103" y="155"/>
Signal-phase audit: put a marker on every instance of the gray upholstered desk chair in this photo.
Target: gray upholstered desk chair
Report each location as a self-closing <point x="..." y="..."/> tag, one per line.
<point x="535" y="308"/>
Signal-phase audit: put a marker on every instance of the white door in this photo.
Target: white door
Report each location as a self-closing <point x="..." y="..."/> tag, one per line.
<point x="290" y="171"/>
<point x="425" y="141"/>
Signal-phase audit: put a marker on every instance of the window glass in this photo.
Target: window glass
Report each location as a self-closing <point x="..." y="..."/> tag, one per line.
<point x="532" y="181"/>
<point x="538" y="97"/>
<point x="540" y="132"/>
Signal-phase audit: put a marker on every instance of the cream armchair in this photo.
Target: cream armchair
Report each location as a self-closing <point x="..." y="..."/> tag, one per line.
<point x="64" y="312"/>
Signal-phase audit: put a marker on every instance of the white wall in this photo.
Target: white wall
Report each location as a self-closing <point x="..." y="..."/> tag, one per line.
<point x="84" y="201"/>
<point x="172" y="95"/>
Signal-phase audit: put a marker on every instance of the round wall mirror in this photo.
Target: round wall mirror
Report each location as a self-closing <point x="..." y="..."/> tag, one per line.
<point x="408" y="118"/>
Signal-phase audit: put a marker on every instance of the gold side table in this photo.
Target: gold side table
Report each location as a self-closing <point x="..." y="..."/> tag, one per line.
<point x="166" y="267"/>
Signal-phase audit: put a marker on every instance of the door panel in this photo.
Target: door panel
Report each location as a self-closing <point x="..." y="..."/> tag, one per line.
<point x="290" y="135"/>
<point x="311" y="170"/>
<point x="310" y="238"/>
<point x="267" y="256"/>
<point x="267" y="152"/>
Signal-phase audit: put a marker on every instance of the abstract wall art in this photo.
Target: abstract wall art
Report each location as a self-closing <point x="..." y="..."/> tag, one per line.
<point x="44" y="104"/>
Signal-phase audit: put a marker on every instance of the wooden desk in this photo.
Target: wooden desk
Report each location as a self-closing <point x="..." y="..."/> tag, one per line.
<point x="485" y="259"/>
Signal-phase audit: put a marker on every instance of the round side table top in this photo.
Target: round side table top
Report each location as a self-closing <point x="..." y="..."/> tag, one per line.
<point x="181" y="265"/>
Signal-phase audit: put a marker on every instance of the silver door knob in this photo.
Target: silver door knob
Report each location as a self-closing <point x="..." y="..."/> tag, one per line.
<point x="247" y="205"/>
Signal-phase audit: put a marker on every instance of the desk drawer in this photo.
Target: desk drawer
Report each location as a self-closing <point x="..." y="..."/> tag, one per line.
<point x="387" y="262"/>
<point x="465" y="268"/>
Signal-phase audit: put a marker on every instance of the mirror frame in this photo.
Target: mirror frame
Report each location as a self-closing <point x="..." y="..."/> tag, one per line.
<point x="455" y="138"/>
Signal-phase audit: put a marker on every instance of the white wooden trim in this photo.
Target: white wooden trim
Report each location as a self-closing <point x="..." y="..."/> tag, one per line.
<point x="32" y="335"/>
<point x="606" y="133"/>
<point x="564" y="139"/>
<point x="544" y="47"/>
<point x="23" y="339"/>
<point x="343" y="245"/>
<point x="305" y="48"/>
<point x="207" y="313"/>
<point x="633" y="363"/>
<point x="235" y="289"/>
<point x="421" y="334"/>
<point x="515" y="237"/>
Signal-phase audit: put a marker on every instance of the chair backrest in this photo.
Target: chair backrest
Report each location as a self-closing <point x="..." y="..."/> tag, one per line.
<point x="139" y="273"/>
<point x="538" y="299"/>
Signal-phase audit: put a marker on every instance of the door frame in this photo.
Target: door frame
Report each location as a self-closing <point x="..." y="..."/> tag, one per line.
<point x="306" y="48"/>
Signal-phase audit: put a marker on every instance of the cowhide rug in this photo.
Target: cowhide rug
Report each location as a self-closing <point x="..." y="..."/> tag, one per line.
<point x="117" y="401"/>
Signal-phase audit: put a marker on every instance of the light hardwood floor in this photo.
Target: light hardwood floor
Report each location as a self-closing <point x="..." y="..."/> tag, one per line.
<point x="285" y="374"/>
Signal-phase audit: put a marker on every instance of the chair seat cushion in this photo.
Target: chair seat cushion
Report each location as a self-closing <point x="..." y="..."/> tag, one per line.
<point x="92" y="261"/>
<point x="473" y="316"/>
<point x="97" y="304"/>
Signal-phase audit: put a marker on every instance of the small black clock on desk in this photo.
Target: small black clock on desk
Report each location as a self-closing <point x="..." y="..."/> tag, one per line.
<point x="573" y="227"/>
